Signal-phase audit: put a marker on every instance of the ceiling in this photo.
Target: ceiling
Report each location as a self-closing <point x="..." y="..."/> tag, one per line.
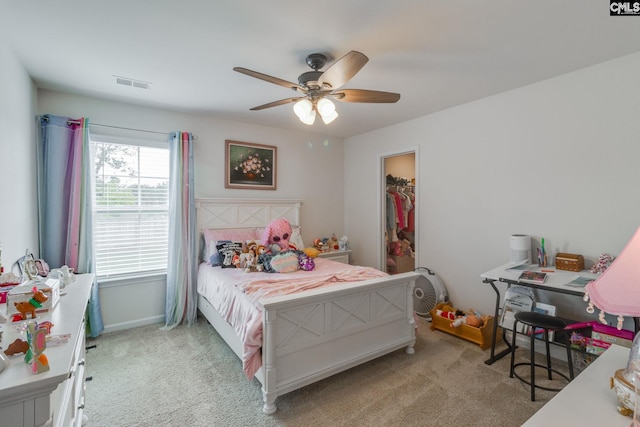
<point x="437" y="54"/>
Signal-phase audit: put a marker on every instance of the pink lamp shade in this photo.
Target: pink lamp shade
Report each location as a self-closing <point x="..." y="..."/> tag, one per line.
<point x="617" y="290"/>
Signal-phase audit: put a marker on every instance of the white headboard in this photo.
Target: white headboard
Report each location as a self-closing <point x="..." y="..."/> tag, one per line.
<point x="244" y="213"/>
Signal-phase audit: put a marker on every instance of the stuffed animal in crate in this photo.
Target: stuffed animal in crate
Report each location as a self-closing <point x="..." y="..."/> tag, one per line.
<point x="459" y="317"/>
<point x="472" y="318"/>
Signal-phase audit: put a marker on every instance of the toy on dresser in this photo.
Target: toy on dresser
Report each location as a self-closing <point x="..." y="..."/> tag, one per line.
<point x="30" y="306"/>
<point x="37" y="339"/>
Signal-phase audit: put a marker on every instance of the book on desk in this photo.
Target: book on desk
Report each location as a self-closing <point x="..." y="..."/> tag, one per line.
<point x="533" y="277"/>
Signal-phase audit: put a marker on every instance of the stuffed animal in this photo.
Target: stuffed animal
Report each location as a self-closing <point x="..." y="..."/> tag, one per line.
<point x="276" y="235"/>
<point x="448" y="312"/>
<point x="405" y="247"/>
<point x="306" y="262"/>
<point x="603" y="263"/>
<point x="473" y="318"/>
<point x="311" y="252"/>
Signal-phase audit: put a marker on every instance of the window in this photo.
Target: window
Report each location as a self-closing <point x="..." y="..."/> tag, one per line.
<point x="131" y="203"/>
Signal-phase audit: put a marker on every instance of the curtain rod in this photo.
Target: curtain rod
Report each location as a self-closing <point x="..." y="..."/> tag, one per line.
<point x="123" y="128"/>
<point x="76" y="122"/>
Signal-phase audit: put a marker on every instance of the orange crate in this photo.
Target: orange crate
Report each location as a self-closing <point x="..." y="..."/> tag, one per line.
<point x="480" y="336"/>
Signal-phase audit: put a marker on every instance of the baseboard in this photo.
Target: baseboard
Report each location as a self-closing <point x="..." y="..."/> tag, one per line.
<point x="133" y="324"/>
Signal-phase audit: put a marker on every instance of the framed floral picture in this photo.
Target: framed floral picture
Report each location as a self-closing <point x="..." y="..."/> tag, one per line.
<point x="250" y="166"/>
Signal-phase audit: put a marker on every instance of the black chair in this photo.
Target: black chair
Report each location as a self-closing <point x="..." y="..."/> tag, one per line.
<point x="536" y="322"/>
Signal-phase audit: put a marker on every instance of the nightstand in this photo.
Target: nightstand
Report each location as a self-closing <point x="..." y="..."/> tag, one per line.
<point x="340" y="256"/>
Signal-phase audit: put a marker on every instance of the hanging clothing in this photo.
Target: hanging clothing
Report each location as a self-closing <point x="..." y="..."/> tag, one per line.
<point x="411" y="214"/>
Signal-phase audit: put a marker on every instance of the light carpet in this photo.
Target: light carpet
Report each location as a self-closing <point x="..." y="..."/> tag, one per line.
<point x="189" y="377"/>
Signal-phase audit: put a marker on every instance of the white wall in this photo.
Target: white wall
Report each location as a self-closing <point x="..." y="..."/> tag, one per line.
<point x="18" y="201"/>
<point x="310" y="167"/>
<point x="557" y="159"/>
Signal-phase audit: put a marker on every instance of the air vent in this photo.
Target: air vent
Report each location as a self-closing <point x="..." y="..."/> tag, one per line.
<point x="125" y="81"/>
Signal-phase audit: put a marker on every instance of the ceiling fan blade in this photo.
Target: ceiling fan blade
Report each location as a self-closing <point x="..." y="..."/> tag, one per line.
<point x="270" y="79"/>
<point x="343" y="69"/>
<point x="361" y="95"/>
<point x="276" y="103"/>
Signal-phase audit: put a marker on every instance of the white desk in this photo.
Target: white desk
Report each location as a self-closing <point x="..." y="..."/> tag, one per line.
<point x="588" y="400"/>
<point x="555" y="282"/>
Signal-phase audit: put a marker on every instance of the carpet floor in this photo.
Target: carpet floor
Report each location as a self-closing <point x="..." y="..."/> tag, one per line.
<point x="188" y="376"/>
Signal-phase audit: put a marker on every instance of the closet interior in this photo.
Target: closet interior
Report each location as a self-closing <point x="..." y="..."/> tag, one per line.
<point x="400" y="213"/>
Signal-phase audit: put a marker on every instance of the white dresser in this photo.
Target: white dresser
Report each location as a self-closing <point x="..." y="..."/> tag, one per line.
<point x="340" y="256"/>
<point x="56" y="397"/>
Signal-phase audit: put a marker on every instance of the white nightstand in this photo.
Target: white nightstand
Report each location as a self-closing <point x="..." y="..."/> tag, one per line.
<point x="340" y="256"/>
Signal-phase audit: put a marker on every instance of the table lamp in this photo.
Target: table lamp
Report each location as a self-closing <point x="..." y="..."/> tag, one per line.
<point x="617" y="292"/>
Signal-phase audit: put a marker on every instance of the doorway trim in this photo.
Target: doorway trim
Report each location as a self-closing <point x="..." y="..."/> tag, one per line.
<point x="382" y="199"/>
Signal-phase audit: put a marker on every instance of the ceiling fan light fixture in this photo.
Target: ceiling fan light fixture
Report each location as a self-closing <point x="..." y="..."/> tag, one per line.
<point x="329" y="117"/>
<point x="325" y="107"/>
<point x="309" y="118"/>
<point x="327" y="110"/>
<point x="303" y="108"/>
<point x="315" y="85"/>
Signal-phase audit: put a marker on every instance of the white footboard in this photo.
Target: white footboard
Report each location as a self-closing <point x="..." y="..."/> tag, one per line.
<point x="310" y="336"/>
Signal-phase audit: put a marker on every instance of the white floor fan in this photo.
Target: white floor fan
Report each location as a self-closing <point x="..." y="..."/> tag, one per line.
<point x="429" y="292"/>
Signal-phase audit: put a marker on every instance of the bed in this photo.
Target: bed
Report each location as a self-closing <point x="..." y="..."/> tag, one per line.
<point x="311" y="335"/>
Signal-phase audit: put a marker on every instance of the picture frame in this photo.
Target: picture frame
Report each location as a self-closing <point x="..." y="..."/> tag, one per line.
<point x="250" y="166"/>
<point x="27" y="266"/>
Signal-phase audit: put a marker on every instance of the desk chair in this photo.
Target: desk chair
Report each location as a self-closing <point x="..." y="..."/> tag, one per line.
<point x="539" y="321"/>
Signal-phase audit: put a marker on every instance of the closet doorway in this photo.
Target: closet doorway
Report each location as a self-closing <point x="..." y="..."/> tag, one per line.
<point x="399" y="219"/>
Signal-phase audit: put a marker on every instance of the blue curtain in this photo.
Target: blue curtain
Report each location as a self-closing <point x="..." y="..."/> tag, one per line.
<point x="181" y="301"/>
<point x="65" y="201"/>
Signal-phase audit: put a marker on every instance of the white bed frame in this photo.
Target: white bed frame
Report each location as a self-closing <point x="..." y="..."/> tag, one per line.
<point x="314" y="334"/>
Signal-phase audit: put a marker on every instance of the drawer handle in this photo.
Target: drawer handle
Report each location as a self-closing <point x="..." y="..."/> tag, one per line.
<point x="81" y="363"/>
<point x="81" y="406"/>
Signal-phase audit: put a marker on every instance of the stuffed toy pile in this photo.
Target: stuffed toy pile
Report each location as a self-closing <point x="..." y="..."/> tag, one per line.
<point x="280" y="256"/>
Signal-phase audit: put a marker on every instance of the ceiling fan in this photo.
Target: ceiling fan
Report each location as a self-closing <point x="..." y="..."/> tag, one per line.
<point x="316" y="87"/>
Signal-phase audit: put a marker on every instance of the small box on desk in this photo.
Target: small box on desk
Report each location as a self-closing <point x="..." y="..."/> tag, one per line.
<point x="24" y="292"/>
<point x="569" y="262"/>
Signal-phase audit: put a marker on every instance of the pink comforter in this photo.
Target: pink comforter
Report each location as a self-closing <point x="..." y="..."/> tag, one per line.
<point x="234" y="294"/>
